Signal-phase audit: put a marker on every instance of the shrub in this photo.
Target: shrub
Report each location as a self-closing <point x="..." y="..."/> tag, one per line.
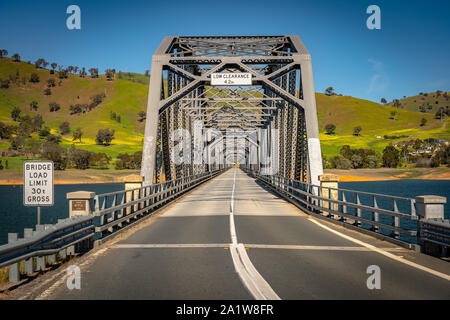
<point x="53" y="106"/>
<point x="329" y="128"/>
<point x="34" y="78"/>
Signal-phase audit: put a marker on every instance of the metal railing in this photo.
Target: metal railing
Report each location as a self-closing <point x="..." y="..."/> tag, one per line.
<point x="388" y="217"/>
<point x="114" y="212"/>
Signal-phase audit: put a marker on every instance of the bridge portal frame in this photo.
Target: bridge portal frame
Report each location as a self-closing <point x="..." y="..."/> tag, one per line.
<point x="288" y="103"/>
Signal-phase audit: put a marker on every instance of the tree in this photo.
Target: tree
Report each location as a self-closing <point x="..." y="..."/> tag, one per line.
<point x="37" y="122"/>
<point x="63" y="74"/>
<point x="34" y="78"/>
<point x="54" y="152"/>
<point x="110" y="74"/>
<point x="440" y="113"/>
<point x="15" y="113"/>
<point x="16" y="57"/>
<point x="147" y="73"/>
<point x="329" y="91"/>
<point x="357" y="131"/>
<point x="5" y="131"/>
<point x="53" y="65"/>
<point x="81" y="158"/>
<point x="34" y="105"/>
<point x="339" y="162"/>
<point x="53" y="106"/>
<point x="44" y="132"/>
<point x="83" y="72"/>
<point x="329" y="128"/>
<point x="64" y="128"/>
<point x="48" y="92"/>
<point x="104" y="136"/>
<point x="93" y="72"/>
<point x="393" y="114"/>
<point x="53" y="138"/>
<point x="383" y="101"/>
<point x="3" y="53"/>
<point x="391" y="157"/>
<point x="101" y="160"/>
<point x="51" y="83"/>
<point x="40" y="62"/>
<point x="142" y="116"/>
<point x="357" y="161"/>
<point x="77" y="134"/>
<point x="396" y="103"/>
<point x="423" y="122"/>
<point x="4" y="83"/>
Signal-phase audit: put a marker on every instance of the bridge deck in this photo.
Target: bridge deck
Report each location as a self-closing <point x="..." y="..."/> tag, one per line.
<point x="185" y="254"/>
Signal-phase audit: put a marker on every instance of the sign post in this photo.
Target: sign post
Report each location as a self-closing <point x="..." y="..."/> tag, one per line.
<point x="38" y="188"/>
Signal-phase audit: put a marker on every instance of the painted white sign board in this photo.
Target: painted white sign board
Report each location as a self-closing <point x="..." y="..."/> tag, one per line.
<point x="231" y="79"/>
<point x="38" y="183"/>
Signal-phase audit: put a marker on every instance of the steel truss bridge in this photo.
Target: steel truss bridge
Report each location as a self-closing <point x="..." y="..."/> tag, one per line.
<point x="275" y="115"/>
<point x="198" y="229"/>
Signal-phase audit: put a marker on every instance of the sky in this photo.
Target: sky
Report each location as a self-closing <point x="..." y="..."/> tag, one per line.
<point x="408" y="55"/>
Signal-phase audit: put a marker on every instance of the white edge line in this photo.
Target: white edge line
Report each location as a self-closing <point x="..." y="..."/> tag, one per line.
<point x="383" y="252"/>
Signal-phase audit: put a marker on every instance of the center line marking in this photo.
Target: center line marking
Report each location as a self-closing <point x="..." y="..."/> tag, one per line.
<point x="250" y="277"/>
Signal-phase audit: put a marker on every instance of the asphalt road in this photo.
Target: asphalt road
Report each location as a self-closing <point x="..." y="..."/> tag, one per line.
<point x="189" y="253"/>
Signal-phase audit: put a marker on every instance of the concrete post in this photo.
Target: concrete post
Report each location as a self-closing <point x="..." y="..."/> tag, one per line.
<point x="80" y="202"/>
<point x="132" y="181"/>
<point x="329" y="181"/>
<point x="13" y="269"/>
<point x="431" y="207"/>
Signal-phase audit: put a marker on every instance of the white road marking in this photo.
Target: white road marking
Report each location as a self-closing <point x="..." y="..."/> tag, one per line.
<point x="325" y="248"/>
<point x="250" y="277"/>
<point x="383" y="252"/>
<point x="170" y="245"/>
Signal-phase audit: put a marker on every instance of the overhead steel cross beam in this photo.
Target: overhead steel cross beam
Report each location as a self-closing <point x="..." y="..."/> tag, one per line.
<point x="181" y="82"/>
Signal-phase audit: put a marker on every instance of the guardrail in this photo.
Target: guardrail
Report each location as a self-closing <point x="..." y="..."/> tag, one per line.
<point x="44" y="243"/>
<point x="114" y="212"/>
<point x="434" y="236"/>
<point x="388" y="217"/>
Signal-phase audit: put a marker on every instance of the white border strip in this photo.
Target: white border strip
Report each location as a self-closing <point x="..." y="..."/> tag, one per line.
<point x="383" y="252"/>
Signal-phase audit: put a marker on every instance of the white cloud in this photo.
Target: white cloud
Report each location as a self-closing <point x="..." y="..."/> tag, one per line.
<point x="378" y="81"/>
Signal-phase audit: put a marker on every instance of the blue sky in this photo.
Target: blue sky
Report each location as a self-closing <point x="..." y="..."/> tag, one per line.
<point x="410" y="54"/>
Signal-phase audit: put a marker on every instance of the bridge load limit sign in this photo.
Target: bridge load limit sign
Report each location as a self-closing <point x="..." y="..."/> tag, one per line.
<point x="231" y="79"/>
<point x="38" y="183"/>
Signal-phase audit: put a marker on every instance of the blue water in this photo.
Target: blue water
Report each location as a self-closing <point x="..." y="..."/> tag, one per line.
<point x="404" y="188"/>
<point x="14" y="217"/>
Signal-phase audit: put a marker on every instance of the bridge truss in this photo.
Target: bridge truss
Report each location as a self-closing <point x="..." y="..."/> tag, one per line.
<point x="273" y="120"/>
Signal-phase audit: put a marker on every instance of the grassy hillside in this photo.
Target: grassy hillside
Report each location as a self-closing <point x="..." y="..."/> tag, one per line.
<point x="127" y="95"/>
<point x="347" y="112"/>
<point x="431" y="102"/>
<point x="124" y="97"/>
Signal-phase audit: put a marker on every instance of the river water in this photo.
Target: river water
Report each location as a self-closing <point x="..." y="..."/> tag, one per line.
<point x="14" y="217"/>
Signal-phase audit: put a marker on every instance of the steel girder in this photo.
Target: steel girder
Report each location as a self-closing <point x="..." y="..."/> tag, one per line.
<point x="281" y="97"/>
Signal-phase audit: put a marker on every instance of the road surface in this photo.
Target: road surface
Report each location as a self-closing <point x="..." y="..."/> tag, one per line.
<point x="232" y="239"/>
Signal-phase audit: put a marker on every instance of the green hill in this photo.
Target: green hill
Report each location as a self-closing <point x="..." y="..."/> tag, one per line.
<point x="347" y="112"/>
<point x="126" y="95"/>
<point x="425" y="102"/>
